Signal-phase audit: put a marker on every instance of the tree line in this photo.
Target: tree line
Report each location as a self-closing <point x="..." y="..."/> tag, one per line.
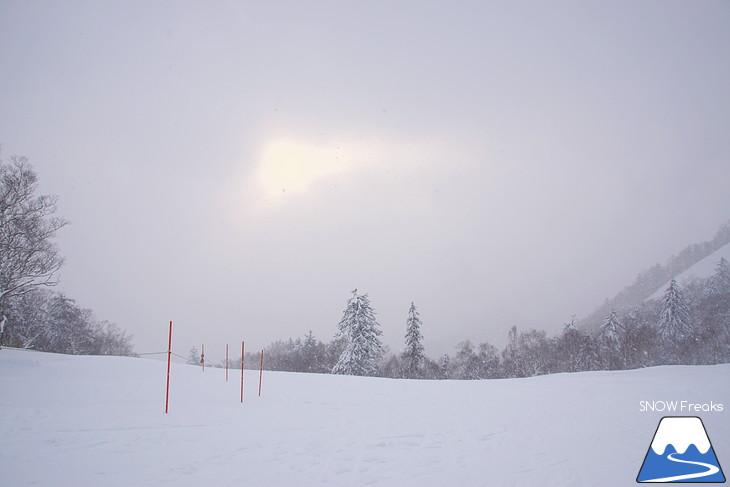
<point x="49" y="321"/>
<point x="689" y="325"/>
<point x="32" y="316"/>
<point x="648" y="281"/>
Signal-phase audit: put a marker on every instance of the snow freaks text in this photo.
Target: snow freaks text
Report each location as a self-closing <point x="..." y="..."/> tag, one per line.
<point x="684" y="407"/>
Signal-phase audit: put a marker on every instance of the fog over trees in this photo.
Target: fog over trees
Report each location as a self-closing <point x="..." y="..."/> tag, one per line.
<point x="688" y="325"/>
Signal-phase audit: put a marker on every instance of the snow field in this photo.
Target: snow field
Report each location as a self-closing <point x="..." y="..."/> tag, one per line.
<point x="77" y="421"/>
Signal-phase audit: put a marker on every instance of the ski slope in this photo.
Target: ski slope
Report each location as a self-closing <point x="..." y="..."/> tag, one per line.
<point x="701" y="270"/>
<point x="100" y="421"/>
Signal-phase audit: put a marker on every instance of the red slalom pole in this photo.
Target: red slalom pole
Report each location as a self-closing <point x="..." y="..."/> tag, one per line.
<point x="226" y="362"/>
<point x="169" y="353"/>
<point x="261" y="371"/>
<point x="242" y="357"/>
<point x="202" y="356"/>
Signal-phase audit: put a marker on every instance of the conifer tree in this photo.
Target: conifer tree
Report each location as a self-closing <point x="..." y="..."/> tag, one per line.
<point x="413" y="354"/>
<point x="589" y="359"/>
<point x="312" y="354"/>
<point x="444" y="368"/>
<point x="714" y="315"/>
<point x="193" y="357"/>
<point x="719" y="283"/>
<point x="509" y="354"/>
<point x="362" y="331"/>
<point x="569" y="346"/>
<point x="640" y="340"/>
<point x="611" y="338"/>
<point x="674" y="326"/>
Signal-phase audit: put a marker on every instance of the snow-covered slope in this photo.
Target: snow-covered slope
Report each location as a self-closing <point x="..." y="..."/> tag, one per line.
<point x="90" y="421"/>
<point x="702" y="269"/>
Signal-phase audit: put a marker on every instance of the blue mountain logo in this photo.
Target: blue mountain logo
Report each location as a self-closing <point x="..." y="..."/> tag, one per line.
<point x="681" y="452"/>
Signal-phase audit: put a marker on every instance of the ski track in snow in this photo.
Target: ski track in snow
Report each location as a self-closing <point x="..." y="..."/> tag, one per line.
<point x="77" y="421"/>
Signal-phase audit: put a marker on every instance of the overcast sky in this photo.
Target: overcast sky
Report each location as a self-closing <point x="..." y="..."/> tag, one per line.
<point x="240" y="167"/>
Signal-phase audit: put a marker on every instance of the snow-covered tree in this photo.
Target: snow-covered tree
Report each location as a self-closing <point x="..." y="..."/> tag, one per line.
<point x="713" y="309"/>
<point x="719" y="283"/>
<point x="640" y="341"/>
<point x="27" y="320"/>
<point x="193" y="356"/>
<point x="509" y="354"/>
<point x="312" y="353"/>
<point x="489" y="364"/>
<point x="589" y="357"/>
<point x="413" y="354"/>
<point x="570" y="348"/>
<point x="444" y="368"/>
<point x="28" y="256"/>
<point x="527" y="354"/>
<point x="610" y="339"/>
<point x="674" y="326"/>
<point x="111" y="340"/>
<point x="391" y="365"/>
<point x="363" y="348"/>
<point x="466" y="362"/>
<point x="41" y="319"/>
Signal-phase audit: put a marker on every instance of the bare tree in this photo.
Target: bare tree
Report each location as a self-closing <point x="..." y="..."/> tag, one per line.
<point x="28" y="256"/>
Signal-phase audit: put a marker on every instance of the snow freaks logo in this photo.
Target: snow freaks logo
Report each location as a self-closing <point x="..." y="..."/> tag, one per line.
<point x="680" y="452"/>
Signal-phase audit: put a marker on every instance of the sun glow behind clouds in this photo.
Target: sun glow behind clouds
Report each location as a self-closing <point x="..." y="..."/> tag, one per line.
<point x="289" y="166"/>
<point x="289" y="170"/>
